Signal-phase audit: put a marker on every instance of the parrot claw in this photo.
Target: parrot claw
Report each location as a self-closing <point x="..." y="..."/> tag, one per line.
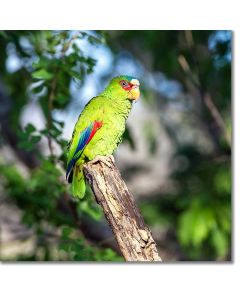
<point x="103" y="159"/>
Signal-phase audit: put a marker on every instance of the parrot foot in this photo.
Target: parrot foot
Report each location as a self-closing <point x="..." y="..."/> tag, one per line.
<point x="103" y="159"/>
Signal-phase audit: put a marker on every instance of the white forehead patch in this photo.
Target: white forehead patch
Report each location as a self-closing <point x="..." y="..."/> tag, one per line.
<point x="135" y="82"/>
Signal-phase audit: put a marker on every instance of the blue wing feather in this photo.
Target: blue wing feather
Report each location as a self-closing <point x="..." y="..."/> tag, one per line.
<point x="83" y="138"/>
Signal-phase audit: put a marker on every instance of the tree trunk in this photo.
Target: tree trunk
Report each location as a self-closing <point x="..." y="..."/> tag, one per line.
<point x="133" y="236"/>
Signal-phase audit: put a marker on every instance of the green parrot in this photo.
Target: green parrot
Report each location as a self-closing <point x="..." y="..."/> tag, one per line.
<point x="99" y="128"/>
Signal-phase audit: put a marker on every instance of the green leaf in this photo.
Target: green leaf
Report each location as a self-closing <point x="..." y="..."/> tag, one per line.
<point x="199" y="230"/>
<point x="35" y="139"/>
<point x="64" y="247"/>
<point x="185" y="228"/>
<point x="54" y="131"/>
<point x="38" y="89"/>
<point x="26" y="145"/>
<point x="44" y="131"/>
<point x="220" y="241"/>
<point x="222" y="181"/>
<point x="94" y="40"/>
<point x="60" y="123"/>
<point x="30" y="128"/>
<point x="195" y="224"/>
<point x="60" y="101"/>
<point x="66" y="232"/>
<point x="23" y="135"/>
<point x="42" y="74"/>
<point x="75" y="74"/>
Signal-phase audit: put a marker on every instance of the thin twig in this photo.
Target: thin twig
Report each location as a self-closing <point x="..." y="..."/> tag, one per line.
<point x="217" y="116"/>
<point x="49" y="117"/>
<point x="197" y="82"/>
<point x="67" y="44"/>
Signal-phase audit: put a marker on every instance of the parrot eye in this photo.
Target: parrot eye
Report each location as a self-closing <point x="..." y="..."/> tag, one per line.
<point x="124" y="83"/>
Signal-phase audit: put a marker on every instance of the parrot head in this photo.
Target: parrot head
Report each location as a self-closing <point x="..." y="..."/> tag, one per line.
<point x="124" y="86"/>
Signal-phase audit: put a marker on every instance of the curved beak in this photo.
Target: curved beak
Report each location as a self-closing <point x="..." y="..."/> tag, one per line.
<point x="134" y="93"/>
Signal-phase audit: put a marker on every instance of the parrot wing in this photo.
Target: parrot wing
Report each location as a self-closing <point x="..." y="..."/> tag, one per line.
<point x="87" y="125"/>
<point x="84" y="138"/>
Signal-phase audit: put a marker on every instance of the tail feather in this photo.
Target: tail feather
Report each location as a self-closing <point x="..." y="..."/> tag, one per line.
<point x="78" y="183"/>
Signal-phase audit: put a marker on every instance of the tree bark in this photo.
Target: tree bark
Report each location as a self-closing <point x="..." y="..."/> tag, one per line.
<point x="133" y="236"/>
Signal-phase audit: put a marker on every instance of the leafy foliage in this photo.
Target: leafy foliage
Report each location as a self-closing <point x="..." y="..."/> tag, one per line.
<point x="80" y="251"/>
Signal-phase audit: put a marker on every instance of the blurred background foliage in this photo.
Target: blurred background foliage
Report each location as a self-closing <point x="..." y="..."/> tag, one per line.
<point x="175" y="156"/>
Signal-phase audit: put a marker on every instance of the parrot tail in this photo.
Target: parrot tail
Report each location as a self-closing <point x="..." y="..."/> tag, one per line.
<point x="78" y="183"/>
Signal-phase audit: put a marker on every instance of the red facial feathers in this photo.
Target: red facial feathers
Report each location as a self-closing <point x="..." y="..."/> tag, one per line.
<point x="127" y="86"/>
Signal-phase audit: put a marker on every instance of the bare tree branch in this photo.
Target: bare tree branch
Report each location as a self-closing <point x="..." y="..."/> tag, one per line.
<point x="133" y="236"/>
<point x="217" y="116"/>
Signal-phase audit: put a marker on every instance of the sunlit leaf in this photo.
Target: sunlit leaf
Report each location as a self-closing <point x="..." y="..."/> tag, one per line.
<point x="42" y="74"/>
